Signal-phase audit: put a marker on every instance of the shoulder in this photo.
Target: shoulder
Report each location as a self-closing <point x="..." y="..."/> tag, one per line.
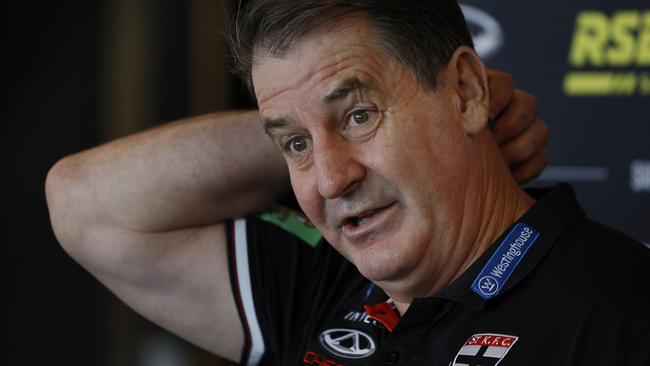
<point x="604" y="271"/>
<point x="288" y="283"/>
<point x="602" y="249"/>
<point x="594" y="284"/>
<point x="280" y="226"/>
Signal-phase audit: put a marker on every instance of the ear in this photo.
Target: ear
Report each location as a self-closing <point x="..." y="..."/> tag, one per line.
<point x="471" y="86"/>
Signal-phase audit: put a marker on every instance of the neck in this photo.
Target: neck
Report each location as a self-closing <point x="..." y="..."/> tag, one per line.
<point x="498" y="202"/>
<point x="493" y="201"/>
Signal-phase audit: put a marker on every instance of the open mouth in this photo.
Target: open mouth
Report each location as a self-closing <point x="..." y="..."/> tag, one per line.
<point x="358" y="220"/>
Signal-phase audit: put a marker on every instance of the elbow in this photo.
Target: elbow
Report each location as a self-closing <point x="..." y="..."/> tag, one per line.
<point x="61" y="194"/>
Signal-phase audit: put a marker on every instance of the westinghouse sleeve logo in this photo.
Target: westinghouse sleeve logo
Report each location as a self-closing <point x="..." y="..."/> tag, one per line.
<point x="609" y="54"/>
<point x="504" y="260"/>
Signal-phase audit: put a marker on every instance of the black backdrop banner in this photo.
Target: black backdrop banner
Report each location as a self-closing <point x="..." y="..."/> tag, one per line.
<point x="588" y="63"/>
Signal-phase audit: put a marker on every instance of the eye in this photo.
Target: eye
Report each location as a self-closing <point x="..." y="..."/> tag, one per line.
<point x="360" y="117"/>
<point x="297" y="144"/>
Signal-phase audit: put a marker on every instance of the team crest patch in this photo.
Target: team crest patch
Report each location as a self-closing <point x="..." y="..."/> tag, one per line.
<point x="484" y="349"/>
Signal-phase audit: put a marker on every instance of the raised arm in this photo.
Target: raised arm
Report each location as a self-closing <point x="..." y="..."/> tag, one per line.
<point x="144" y="215"/>
<point x="517" y="127"/>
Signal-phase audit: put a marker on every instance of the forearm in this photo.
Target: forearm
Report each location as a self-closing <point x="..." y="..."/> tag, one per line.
<point x="186" y="174"/>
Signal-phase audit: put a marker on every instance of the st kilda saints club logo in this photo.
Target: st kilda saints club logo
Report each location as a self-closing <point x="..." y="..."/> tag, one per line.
<point x="484" y="350"/>
<point x="347" y="343"/>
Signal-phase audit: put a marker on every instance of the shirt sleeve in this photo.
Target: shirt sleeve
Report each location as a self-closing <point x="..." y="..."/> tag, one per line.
<point x="277" y="280"/>
<point x="640" y="353"/>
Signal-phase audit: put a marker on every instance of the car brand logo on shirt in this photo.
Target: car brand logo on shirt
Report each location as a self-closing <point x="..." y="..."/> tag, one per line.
<point x="347" y="343"/>
<point x="484" y="349"/>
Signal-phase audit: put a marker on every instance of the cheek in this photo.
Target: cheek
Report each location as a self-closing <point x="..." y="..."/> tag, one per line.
<point x="427" y="165"/>
<point x="307" y="195"/>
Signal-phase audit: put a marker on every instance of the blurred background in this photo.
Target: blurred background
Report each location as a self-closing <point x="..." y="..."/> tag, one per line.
<point x="80" y="73"/>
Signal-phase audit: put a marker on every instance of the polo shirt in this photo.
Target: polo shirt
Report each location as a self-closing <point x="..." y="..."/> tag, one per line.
<point x="557" y="288"/>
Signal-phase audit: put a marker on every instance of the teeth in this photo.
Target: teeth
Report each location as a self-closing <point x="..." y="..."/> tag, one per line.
<point x="358" y="220"/>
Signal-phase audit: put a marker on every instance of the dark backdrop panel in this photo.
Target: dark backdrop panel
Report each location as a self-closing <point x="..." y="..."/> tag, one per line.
<point x="48" y="300"/>
<point x="58" y="64"/>
<point x="600" y="122"/>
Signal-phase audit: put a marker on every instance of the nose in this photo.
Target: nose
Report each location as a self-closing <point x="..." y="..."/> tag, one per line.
<point x="338" y="169"/>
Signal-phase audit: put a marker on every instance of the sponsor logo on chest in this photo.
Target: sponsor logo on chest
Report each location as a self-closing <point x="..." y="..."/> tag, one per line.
<point x="360" y="317"/>
<point x="485" y="349"/>
<point x="347" y="343"/>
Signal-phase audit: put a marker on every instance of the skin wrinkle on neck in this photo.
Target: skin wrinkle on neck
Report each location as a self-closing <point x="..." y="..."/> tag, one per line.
<point x="504" y="202"/>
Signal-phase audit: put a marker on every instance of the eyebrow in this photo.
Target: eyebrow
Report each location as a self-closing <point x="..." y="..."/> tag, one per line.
<point x="344" y="88"/>
<point x="271" y="124"/>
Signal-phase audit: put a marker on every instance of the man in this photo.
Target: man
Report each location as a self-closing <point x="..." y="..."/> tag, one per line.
<point x="393" y="161"/>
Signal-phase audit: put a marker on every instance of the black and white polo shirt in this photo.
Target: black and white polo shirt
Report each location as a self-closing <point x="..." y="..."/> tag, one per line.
<point x="556" y="289"/>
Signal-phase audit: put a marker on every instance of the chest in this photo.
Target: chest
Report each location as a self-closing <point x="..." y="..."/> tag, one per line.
<point x="443" y="333"/>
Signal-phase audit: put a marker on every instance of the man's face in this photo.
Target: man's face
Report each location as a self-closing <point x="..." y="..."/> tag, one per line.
<point x="377" y="163"/>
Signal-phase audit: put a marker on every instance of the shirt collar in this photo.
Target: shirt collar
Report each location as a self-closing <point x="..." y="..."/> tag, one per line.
<point x="555" y="210"/>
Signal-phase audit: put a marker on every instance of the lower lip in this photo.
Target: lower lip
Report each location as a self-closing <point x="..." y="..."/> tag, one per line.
<point x="369" y="225"/>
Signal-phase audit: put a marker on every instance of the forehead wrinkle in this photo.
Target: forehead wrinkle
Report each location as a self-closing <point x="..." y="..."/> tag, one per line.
<point x="365" y="80"/>
<point x="317" y="77"/>
<point x="338" y="60"/>
<point x="307" y="78"/>
<point x="325" y="73"/>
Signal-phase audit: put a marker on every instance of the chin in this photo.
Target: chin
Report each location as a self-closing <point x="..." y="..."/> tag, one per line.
<point x="380" y="264"/>
<point x="392" y="256"/>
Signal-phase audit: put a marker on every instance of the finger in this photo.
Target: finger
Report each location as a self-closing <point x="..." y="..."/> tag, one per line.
<point x="531" y="168"/>
<point x="520" y="115"/>
<point x="527" y="144"/>
<point x="501" y="87"/>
